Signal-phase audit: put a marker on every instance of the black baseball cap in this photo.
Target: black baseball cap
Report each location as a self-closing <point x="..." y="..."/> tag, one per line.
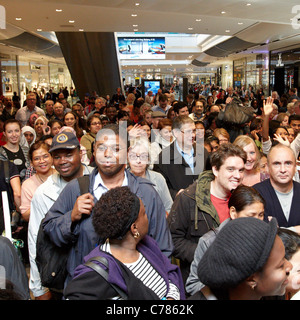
<point x="64" y="140"/>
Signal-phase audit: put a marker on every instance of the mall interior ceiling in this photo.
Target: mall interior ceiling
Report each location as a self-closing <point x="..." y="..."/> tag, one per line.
<point x="199" y="34"/>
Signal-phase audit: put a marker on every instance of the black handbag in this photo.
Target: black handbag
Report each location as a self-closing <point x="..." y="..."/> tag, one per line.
<point x="236" y="113"/>
<point x="51" y="261"/>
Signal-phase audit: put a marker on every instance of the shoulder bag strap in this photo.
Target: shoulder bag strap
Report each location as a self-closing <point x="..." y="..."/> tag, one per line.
<point x="84" y="183"/>
<point x="103" y="273"/>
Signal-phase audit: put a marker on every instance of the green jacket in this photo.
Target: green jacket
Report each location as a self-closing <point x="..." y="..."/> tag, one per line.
<point x="191" y="216"/>
<point x="202" y="197"/>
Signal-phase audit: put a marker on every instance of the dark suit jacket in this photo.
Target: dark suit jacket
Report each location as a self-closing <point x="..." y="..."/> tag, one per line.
<point x="273" y="207"/>
<point x="176" y="171"/>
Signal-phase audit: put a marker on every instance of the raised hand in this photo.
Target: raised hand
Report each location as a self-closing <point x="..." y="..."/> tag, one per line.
<point x="268" y="106"/>
<point x="281" y="139"/>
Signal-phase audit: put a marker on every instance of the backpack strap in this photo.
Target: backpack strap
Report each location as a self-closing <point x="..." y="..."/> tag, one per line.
<point x="7" y="181"/>
<point x="104" y="273"/>
<point x="84" y="183"/>
<point x="6" y="171"/>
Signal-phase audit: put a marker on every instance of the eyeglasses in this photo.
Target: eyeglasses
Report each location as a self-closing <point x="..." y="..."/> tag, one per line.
<point x="96" y="123"/>
<point x="43" y="157"/>
<point x="142" y="156"/>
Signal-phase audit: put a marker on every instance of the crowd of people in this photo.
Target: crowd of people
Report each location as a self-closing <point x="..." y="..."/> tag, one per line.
<point x="193" y="199"/>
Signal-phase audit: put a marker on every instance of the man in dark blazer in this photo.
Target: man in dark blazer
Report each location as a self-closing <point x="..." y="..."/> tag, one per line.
<point x="281" y="192"/>
<point x="182" y="161"/>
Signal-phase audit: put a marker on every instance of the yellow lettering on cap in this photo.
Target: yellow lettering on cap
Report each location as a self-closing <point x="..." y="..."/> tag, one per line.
<point x="62" y="138"/>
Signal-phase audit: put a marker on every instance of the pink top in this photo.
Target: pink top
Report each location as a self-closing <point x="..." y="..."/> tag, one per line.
<point x="27" y="191"/>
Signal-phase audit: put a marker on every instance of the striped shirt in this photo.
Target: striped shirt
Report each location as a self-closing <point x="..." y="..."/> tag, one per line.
<point x="145" y="272"/>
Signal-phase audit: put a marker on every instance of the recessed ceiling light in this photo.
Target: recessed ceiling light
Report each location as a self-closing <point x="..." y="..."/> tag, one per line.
<point x="223" y="12"/>
<point x="58" y="10"/>
<point x="134" y="15"/>
<point x="81" y="29"/>
<point x="227" y="30"/>
<point x="248" y="4"/>
<point x="240" y="23"/>
<point x="71" y="21"/>
<point x="135" y="30"/>
<point x="38" y="29"/>
<point x="190" y="28"/>
<point x="18" y="19"/>
<point x="137" y="4"/>
<point x="198" y="20"/>
<point x="135" y="25"/>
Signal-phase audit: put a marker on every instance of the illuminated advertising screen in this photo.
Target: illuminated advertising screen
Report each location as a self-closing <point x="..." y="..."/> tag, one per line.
<point x="141" y="48"/>
<point x="150" y="85"/>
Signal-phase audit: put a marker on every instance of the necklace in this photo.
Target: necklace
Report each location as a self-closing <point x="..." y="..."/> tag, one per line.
<point x="42" y="180"/>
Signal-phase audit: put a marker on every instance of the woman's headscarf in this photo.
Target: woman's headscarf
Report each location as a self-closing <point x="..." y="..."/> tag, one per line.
<point x="43" y="118"/>
<point x="23" y="140"/>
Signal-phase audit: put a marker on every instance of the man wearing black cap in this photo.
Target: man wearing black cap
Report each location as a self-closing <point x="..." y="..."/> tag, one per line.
<point x="65" y="150"/>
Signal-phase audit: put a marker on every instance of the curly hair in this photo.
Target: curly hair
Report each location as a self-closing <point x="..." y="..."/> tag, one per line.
<point x="112" y="212"/>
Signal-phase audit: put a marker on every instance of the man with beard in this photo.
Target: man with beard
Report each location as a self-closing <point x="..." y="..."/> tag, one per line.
<point x="198" y="110"/>
<point x="9" y="110"/>
<point x="65" y="150"/>
<point x="69" y="219"/>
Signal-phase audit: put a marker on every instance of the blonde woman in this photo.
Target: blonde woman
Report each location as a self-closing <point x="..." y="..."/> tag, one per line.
<point x="283" y="119"/>
<point x="130" y="103"/>
<point x="252" y="174"/>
